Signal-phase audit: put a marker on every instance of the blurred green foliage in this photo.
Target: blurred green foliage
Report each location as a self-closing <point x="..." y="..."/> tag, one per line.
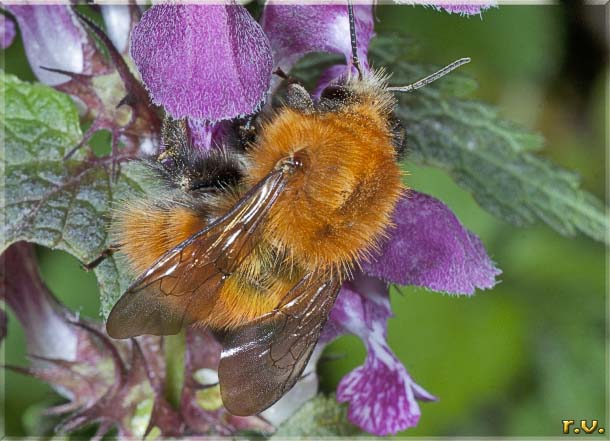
<point x="513" y="361"/>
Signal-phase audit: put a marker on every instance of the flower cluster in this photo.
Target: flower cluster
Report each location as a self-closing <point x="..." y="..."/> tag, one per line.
<point x="210" y="64"/>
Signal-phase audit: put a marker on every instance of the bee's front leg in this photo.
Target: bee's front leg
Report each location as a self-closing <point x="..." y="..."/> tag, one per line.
<point x="174" y="134"/>
<point x="103" y="256"/>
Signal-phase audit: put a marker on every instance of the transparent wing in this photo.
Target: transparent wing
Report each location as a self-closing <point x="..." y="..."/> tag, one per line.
<point x="262" y="360"/>
<point x="183" y="285"/>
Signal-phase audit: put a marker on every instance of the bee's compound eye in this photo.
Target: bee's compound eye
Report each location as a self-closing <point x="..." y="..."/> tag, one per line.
<point x="297" y="162"/>
<point x="293" y="162"/>
<point x="299" y="159"/>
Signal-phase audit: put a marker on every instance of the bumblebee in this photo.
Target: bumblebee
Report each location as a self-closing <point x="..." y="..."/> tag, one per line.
<point x="253" y="239"/>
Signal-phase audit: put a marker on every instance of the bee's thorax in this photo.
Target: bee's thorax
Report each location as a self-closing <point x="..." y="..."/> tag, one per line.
<point x="343" y="186"/>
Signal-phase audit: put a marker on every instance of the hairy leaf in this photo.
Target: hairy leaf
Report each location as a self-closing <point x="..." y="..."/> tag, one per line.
<point x="320" y="416"/>
<point x="487" y="155"/>
<point x="61" y="204"/>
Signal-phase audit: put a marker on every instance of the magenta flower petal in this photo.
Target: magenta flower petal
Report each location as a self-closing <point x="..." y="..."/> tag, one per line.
<point x="381" y="394"/>
<point x="7" y="31"/>
<point x="201" y="133"/>
<point x="209" y="62"/>
<point x="204" y="134"/>
<point x="295" y="30"/>
<point x="429" y="247"/>
<point x="52" y="37"/>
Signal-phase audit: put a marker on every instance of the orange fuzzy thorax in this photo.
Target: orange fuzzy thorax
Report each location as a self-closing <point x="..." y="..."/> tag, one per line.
<point x="338" y="204"/>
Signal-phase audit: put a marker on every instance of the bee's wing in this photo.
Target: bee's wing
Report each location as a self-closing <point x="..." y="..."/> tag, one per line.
<point x="182" y="286"/>
<point x="263" y="360"/>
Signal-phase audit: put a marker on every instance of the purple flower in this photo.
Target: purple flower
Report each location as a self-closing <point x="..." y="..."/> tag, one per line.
<point x="33" y="305"/>
<point x="7" y="31"/>
<point x="429" y="248"/>
<point x="204" y="134"/>
<point x="178" y="48"/>
<point x="52" y="38"/>
<point x="381" y="393"/>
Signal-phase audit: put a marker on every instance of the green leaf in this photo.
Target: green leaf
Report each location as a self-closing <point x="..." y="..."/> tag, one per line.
<point x="487" y="155"/>
<point x="61" y="204"/>
<point x="320" y="416"/>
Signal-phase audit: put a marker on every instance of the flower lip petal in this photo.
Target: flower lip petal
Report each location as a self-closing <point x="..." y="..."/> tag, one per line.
<point x="381" y="395"/>
<point x="429" y="247"/>
<point x="209" y="62"/>
<point x="295" y="30"/>
<point x="52" y="37"/>
<point x="7" y="31"/>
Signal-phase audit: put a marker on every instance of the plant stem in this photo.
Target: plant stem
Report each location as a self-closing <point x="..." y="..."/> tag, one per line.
<point x="174" y="367"/>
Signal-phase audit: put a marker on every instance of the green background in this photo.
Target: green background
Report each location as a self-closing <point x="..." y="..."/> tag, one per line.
<point x="513" y="361"/>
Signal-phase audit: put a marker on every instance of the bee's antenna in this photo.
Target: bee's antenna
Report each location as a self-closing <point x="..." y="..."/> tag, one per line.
<point x="352" y="34"/>
<point x="430" y="78"/>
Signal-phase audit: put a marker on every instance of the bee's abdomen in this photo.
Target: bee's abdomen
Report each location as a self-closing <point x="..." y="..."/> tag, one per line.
<point x="146" y="229"/>
<point x="256" y="288"/>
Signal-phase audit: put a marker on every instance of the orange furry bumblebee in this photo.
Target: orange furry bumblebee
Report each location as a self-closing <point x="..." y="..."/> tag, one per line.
<point x="254" y="244"/>
<point x="253" y="240"/>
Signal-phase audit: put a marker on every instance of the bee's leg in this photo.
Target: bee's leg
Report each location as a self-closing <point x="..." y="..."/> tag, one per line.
<point x="171" y="165"/>
<point x="103" y="256"/>
<point x="298" y="98"/>
<point x="243" y="133"/>
<point x="174" y="134"/>
<point x="398" y="136"/>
